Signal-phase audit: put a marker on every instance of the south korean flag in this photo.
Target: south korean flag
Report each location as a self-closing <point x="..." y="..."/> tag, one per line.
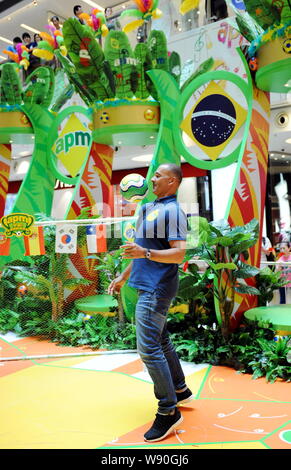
<point x="66" y="239"/>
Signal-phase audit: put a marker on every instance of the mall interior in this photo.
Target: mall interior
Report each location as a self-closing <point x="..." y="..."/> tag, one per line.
<point x="71" y="376"/>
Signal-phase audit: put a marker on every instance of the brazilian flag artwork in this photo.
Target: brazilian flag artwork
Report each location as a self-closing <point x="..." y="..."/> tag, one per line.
<point x="213" y="120"/>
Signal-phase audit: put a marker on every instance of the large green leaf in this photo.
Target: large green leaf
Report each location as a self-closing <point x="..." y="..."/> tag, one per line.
<point x="144" y="63"/>
<point x="245" y="271"/>
<point x="245" y="289"/>
<point x="87" y="57"/>
<point x="218" y="266"/>
<point x="119" y="54"/>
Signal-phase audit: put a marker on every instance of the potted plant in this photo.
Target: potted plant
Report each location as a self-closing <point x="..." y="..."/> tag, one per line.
<point x="267" y="282"/>
<point x="225" y="250"/>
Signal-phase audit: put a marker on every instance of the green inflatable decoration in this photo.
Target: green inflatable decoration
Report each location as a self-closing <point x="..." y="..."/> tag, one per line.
<point x="157" y="44"/>
<point x="88" y="59"/>
<point x="40" y="87"/>
<point x="11" y="88"/>
<point x="120" y="57"/>
<point x="175" y="66"/>
<point x="143" y="64"/>
<point x="263" y="12"/>
<point x="72" y="74"/>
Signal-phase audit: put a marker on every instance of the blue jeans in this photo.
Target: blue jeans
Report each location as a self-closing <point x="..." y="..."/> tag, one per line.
<point x="156" y="350"/>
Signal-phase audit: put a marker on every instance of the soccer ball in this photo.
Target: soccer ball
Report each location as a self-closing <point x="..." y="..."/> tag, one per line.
<point x="287" y="46"/>
<point x="133" y="187"/>
<point x="104" y="117"/>
<point x="22" y="290"/>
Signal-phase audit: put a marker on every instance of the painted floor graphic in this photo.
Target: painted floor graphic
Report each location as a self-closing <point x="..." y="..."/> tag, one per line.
<point x="107" y="401"/>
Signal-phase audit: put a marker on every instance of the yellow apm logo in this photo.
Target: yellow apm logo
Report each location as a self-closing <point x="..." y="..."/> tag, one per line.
<point x="17" y="224"/>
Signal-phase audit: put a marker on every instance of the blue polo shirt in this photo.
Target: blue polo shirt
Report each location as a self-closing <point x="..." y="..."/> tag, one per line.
<point x="158" y="223"/>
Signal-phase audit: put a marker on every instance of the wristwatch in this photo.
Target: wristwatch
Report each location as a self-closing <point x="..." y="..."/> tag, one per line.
<point x="148" y="254"/>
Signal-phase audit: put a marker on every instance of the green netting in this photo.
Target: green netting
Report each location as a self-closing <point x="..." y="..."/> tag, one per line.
<point x="44" y="296"/>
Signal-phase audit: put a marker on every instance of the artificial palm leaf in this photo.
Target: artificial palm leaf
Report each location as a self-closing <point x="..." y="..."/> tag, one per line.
<point x="144" y="63"/>
<point x="87" y="57"/>
<point x="119" y="54"/>
<point x="40" y="87"/>
<point x="11" y="88"/>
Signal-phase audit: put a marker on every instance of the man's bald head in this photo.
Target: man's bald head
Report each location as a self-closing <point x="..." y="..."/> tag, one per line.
<point x="175" y="170"/>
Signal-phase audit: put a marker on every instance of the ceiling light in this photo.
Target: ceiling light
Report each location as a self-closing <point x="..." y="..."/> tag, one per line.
<point x="94" y="5"/>
<point x="143" y="158"/>
<point x="288" y="141"/>
<point x="276" y="158"/>
<point x="283" y="156"/>
<point x="6" y="40"/>
<point x="22" y="167"/>
<point x="29" y="28"/>
<point x="2" y="57"/>
<point x="288" y="84"/>
<point x="25" y="153"/>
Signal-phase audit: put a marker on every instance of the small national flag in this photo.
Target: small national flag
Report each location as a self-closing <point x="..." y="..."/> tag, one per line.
<point x="4" y="245"/>
<point x="96" y="238"/>
<point x="66" y="239"/>
<point x="34" y="243"/>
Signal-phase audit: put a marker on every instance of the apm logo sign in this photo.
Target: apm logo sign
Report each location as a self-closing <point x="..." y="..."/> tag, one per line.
<point x="17" y="224"/>
<point x="73" y="145"/>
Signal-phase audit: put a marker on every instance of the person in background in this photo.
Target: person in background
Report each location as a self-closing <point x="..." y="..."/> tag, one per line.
<point x="268" y="252"/>
<point x="26" y="38"/>
<point x="159" y="248"/>
<point x="16" y="40"/>
<point x="56" y="22"/>
<point x="36" y="39"/>
<point x="77" y="12"/>
<point x="285" y="257"/>
<point x="111" y="22"/>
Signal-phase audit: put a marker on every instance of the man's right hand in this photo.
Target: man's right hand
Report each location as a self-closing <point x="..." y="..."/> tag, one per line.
<point x="116" y="285"/>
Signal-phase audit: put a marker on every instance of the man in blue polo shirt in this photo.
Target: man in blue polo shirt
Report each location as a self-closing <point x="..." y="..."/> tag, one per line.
<point x="159" y="247"/>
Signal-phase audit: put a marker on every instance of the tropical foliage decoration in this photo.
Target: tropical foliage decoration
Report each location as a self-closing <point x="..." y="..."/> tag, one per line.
<point x="263" y="21"/>
<point x="225" y="250"/>
<point x="96" y="21"/>
<point x="120" y="57"/>
<point x="88" y="59"/>
<point x="146" y="9"/>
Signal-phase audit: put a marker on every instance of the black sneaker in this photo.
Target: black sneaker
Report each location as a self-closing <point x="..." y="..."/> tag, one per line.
<point x="184" y="397"/>
<point x="163" y="426"/>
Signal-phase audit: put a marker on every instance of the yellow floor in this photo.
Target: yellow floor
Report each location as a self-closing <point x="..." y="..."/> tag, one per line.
<point x="73" y="404"/>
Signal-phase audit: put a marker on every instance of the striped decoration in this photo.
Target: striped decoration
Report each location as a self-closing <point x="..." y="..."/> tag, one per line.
<point x="248" y="200"/>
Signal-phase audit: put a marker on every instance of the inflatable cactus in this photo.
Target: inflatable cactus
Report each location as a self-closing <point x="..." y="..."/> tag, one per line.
<point x="11" y="88"/>
<point x="119" y="54"/>
<point x="88" y="59"/>
<point x="157" y="44"/>
<point x="40" y="87"/>
<point x="175" y="66"/>
<point x="83" y="90"/>
<point x="143" y="64"/>
<point x="263" y="12"/>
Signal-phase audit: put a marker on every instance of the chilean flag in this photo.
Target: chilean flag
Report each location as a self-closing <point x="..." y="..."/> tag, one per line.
<point x="96" y="238"/>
